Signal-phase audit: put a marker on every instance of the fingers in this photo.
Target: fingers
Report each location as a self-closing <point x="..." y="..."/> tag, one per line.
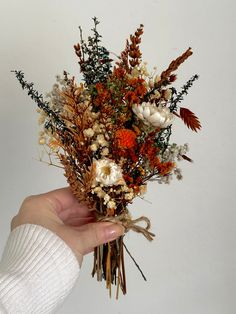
<point x="65" y="204"/>
<point x="78" y="221"/>
<point x="60" y="212"/>
<point x="61" y="201"/>
<point x="76" y="211"/>
<point x="92" y="235"/>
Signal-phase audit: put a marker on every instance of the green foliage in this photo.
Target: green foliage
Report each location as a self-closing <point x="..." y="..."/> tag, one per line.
<point x="95" y="62"/>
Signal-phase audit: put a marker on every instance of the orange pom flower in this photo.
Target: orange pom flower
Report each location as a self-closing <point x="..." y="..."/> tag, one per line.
<point x="125" y="138"/>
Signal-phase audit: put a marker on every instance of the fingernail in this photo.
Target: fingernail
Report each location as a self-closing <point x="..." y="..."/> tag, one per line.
<point x="114" y="231"/>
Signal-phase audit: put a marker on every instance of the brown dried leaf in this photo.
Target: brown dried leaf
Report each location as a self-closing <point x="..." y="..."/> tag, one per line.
<point x="190" y="119"/>
<point x="80" y="182"/>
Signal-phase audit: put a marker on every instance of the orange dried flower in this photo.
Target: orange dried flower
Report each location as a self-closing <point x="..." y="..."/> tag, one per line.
<point x="149" y="150"/>
<point x="136" y="81"/>
<point x="131" y="98"/>
<point x="164" y="168"/>
<point x="119" y="73"/>
<point x="141" y="90"/>
<point x="125" y="138"/>
<point x="103" y="94"/>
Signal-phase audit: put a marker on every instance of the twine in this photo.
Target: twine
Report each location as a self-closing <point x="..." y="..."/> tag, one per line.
<point x="131" y="224"/>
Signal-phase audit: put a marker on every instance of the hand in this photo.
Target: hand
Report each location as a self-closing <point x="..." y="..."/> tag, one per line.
<point x="60" y="212"/>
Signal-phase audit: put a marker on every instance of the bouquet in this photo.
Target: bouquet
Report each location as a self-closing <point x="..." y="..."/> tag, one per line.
<point x="111" y="134"/>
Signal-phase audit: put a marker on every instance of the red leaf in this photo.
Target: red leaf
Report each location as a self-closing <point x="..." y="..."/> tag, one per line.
<point x="190" y="119"/>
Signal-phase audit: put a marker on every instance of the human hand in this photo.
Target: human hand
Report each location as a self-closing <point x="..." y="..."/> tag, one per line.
<point x="60" y="212"/>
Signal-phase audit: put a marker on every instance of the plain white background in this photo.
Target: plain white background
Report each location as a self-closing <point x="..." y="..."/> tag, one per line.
<point x="190" y="265"/>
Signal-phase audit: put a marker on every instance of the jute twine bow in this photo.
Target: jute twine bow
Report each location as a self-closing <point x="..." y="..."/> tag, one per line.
<point x="131" y="224"/>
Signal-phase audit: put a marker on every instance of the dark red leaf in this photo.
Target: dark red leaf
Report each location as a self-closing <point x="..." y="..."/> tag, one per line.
<point x="190" y="119"/>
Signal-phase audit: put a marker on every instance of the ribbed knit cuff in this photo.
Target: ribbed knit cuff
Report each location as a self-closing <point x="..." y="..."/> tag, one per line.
<point x="37" y="271"/>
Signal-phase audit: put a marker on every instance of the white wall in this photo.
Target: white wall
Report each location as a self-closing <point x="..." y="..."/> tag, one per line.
<point x="191" y="264"/>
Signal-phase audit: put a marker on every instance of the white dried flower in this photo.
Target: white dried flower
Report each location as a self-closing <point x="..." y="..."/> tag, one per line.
<point x="111" y="204"/>
<point x="108" y="172"/>
<point x="150" y="114"/>
<point x="175" y="152"/>
<point x="125" y="188"/>
<point x="106" y="198"/>
<point x="93" y="147"/>
<point x="99" y="191"/>
<point x="96" y="128"/>
<point x="88" y="132"/>
<point x="105" y="151"/>
<point x="129" y="196"/>
<point x="101" y="140"/>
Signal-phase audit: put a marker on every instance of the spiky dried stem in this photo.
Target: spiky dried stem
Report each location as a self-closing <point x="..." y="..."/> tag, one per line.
<point x="173" y="67"/>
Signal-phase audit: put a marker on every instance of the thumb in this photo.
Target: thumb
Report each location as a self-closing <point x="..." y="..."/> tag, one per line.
<point x="95" y="234"/>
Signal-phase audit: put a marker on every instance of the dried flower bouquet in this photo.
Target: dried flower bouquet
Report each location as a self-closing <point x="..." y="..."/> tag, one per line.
<point x="111" y="134"/>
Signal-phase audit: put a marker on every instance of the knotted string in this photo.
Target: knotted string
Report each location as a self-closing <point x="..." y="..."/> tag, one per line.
<point x="131" y="224"/>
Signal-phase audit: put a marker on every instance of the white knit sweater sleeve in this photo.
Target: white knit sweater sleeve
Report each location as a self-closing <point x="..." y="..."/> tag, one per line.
<point x="37" y="271"/>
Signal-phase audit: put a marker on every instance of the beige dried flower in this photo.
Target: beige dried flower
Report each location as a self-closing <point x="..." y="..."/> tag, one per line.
<point x="167" y="94"/>
<point x="93" y="147"/>
<point x="88" y="133"/>
<point x="108" y="172"/>
<point x="111" y="204"/>
<point x="101" y="140"/>
<point x="150" y="114"/>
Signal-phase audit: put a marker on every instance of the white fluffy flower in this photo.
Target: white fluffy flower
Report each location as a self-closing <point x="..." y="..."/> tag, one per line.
<point x="108" y="172"/>
<point x="106" y="198"/>
<point x="101" y="140"/>
<point x="150" y="114"/>
<point x="105" y="151"/>
<point x="98" y="190"/>
<point x="94" y="147"/>
<point x="111" y="204"/>
<point x="89" y="132"/>
<point x="129" y="196"/>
